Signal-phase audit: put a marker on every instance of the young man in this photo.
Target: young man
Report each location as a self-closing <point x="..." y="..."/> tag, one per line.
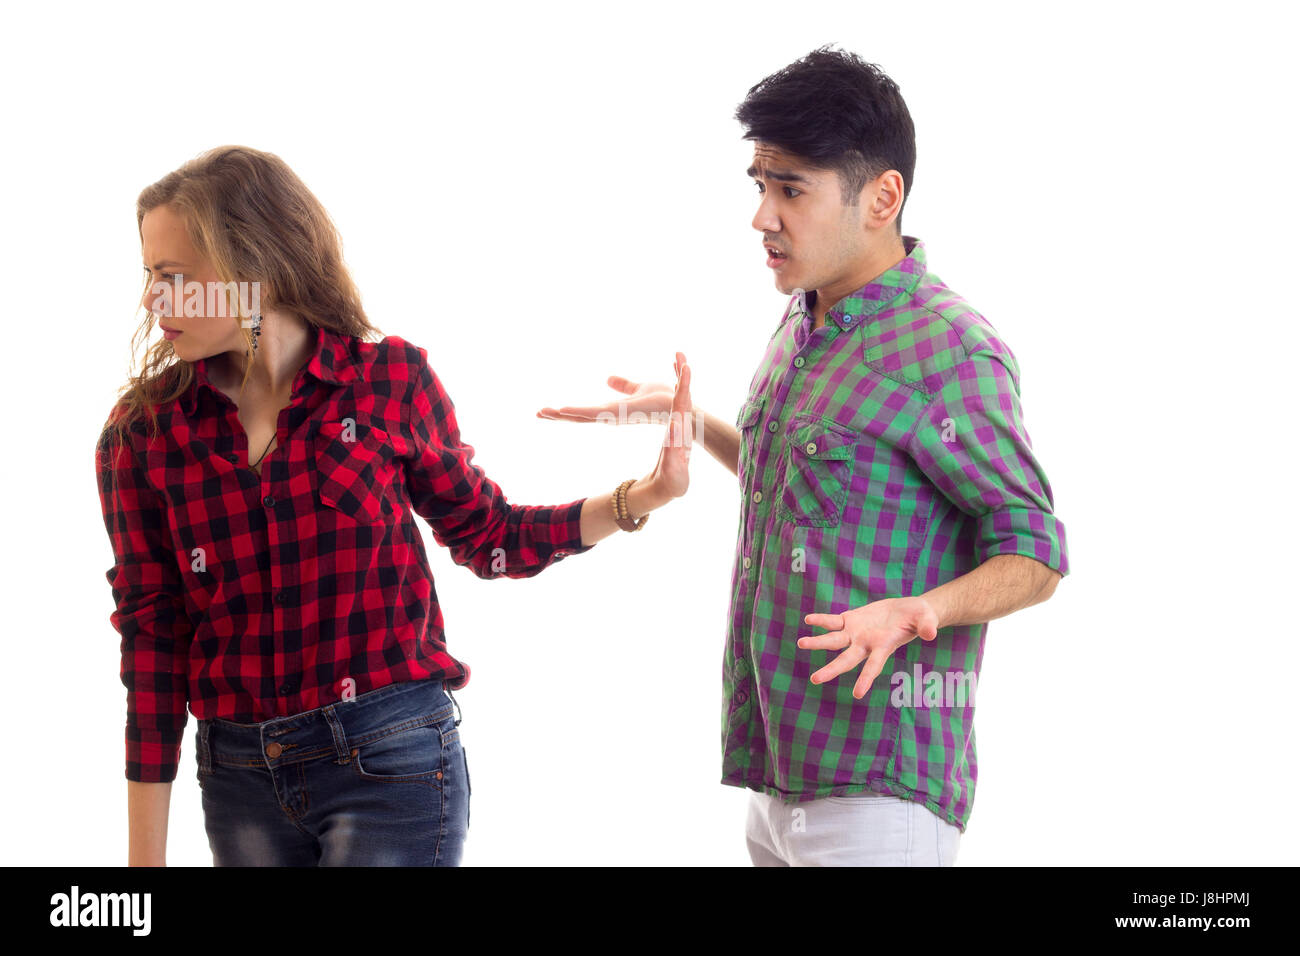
<point x="889" y="493"/>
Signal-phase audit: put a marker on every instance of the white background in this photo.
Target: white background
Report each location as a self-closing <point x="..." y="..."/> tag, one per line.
<point x="544" y="195"/>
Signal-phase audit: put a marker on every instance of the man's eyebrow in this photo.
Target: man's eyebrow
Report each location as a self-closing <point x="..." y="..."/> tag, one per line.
<point x="779" y="175"/>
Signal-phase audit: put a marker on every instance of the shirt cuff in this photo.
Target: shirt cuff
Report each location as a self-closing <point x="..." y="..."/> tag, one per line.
<point x="567" y="522"/>
<point x="1025" y="531"/>
<point x="151" y="757"/>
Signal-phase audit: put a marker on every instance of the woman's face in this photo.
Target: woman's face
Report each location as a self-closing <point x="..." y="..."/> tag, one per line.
<point x="199" y="317"/>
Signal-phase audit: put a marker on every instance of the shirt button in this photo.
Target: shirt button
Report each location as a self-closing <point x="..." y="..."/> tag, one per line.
<point x="798" y="362"/>
<point x="811" y="448"/>
<point x="758" y="496"/>
<point x="274" y="750"/>
<point x="279" y="597"/>
<point x="771" y="426"/>
<point x="233" y="457"/>
<point x="286" y="688"/>
<point x="746" y="562"/>
<point x="268" y="500"/>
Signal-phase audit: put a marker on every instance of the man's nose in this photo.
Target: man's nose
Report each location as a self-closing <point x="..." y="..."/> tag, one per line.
<point x="766" y="220"/>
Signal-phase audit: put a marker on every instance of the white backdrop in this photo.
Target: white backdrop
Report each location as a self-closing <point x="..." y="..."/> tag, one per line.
<point x="544" y="195"/>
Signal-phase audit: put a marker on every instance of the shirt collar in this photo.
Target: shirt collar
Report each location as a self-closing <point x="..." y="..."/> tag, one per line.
<point x="332" y="360"/>
<point x="899" y="279"/>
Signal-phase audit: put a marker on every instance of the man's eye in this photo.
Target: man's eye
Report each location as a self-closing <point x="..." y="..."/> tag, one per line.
<point x="791" y="189"/>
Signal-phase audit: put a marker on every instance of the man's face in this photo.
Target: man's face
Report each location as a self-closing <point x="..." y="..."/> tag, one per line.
<point x="168" y="253"/>
<point x="819" y="240"/>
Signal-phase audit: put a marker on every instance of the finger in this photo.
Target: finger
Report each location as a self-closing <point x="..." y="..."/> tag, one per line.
<point x="583" y="413"/>
<point x="847" y="660"/>
<point x="673" y="433"/>
<point x="832" y="622"/>
<point x="560" y="415"/>
<point x="682" y="401"/>
<point x="619" y="383"/>
<point x="870" y="671"/>
<point x="688" y="420"/>
<point x="834" y="641"/>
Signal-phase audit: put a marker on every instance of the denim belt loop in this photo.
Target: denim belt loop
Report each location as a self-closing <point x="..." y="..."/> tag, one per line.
<point x="340" y="738"/>
<point x="447" y="690"/>
<point x="202" y="747"/>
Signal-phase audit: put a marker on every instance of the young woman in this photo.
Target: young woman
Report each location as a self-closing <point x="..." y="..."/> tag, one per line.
<point x="268" y="570"/>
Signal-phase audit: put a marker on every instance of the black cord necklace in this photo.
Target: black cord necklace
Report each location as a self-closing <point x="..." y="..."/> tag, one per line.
<point x="263" y="455"/>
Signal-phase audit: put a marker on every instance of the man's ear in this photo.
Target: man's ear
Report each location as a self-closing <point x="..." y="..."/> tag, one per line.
<point x="882" y="198"/>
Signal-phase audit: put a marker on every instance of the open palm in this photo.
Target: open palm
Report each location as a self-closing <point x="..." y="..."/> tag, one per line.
<point x="648" y="403"/>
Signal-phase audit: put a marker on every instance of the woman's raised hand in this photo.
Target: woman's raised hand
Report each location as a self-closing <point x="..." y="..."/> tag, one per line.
<point x="650" y="403"/>
<point x="671" y="475"/>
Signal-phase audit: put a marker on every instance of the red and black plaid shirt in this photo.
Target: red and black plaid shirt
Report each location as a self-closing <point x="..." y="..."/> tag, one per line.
<point x="253" y="597"/>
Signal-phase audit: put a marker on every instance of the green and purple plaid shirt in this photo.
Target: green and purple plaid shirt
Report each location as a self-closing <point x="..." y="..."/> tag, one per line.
<point x="881" y="455"/>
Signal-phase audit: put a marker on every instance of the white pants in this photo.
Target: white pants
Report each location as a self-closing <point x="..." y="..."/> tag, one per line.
<point x="873" y="829"/>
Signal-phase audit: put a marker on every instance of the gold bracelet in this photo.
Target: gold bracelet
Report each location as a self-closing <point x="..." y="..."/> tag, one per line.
<point x="622" y="516"/>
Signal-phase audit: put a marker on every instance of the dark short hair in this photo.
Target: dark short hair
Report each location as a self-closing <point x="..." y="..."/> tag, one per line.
<point x="835" y="111"/>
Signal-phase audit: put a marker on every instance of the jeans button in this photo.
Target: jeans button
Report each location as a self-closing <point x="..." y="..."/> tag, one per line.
<point x="274" y="750"/>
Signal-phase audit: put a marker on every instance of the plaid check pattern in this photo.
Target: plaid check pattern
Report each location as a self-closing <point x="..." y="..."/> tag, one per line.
<point x="254" y="596"/>
<point x="881" y="455"/>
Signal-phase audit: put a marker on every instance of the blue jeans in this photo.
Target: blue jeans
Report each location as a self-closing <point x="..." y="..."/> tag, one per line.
<point x="380" y="780"/>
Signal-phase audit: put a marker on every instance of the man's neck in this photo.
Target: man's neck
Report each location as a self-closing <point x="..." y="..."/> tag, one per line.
<point x="877" y="265"/>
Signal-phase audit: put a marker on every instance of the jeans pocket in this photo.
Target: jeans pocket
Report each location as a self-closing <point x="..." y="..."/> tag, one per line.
<point x="415" y="753"/>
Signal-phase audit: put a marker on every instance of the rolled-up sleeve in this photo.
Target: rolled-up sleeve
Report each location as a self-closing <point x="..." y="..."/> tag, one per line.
<point x="467" y="511"/>
<point x="972" y="444"/>
<point x="150" y="615"/>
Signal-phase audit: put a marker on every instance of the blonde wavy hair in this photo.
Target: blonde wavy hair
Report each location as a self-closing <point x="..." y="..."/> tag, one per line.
<point x="251" y="216"/>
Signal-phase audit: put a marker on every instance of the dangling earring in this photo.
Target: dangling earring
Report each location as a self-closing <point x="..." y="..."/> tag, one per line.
<point x="257" y="329"/>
